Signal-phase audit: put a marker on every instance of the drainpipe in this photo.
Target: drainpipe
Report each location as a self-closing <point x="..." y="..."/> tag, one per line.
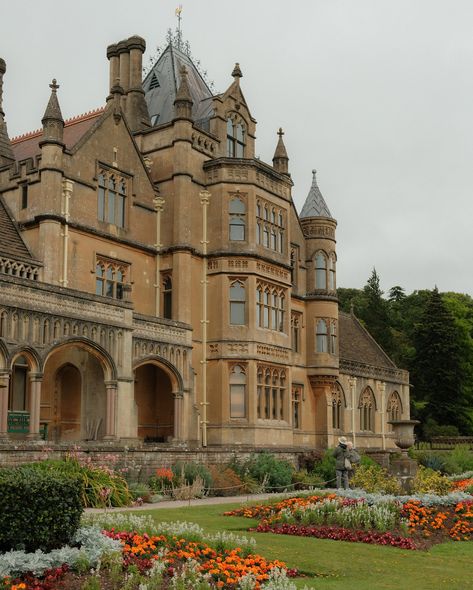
<point x="204" y="201"/>
<point x="66" y="193"/>
<point x="352" y="382"/>
<point x="158" y="207"/>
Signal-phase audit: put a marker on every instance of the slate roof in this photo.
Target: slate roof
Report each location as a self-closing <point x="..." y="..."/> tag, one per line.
<point x="27" y="146"/>
<point x="11" y="243"/>
<point x="315" y="205"/>
<point x="163" y="80"/>
<point x="357" y="344"/>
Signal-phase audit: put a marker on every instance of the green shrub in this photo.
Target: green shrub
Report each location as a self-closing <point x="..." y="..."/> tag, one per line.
<point x="325" y="468"/>
<point x="304" y="480"/>
<point x="459" y="460"/>
<point x="432" y="461"/>
<point x="428" y="481"/>
<point x="38" y="510"/>
<point x="140" y="490"/>
<point x="374" y="479"/>
<point x="276" y="474"/>
<point x="100" y="486"/>
<point x="187" y="473"/>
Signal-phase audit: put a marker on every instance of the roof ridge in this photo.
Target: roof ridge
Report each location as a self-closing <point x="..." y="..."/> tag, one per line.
<point x="72" y="121"/>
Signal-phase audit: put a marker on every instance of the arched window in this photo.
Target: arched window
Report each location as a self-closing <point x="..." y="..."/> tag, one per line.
<point x="110" y="278"/>
<point x="367" y="408"/>
<point x="394" y="407"/>
<point x="320" y="271"/>
<point x="333" y="337"/>
<point x="237" y="219"/>
<point x="237" y="392"/>
<point x="237" y="303"/>
<point x="235" y="139"/>
<point x="332" y="285"/>
<point x="167" y="297"/>
<point x="111" y="198"/>
<point x="99" y="279"/>
<point x="321" y="336"/>
<point x="296" y="406"/>
<point x="337" y="408"/>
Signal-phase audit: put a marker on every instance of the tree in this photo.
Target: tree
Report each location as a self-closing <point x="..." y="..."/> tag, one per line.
<point x="437" y="373"/>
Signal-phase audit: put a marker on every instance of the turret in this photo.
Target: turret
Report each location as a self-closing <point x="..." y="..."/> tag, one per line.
<point x="6" y="152"/>
<point x="280" y="159"/>
<point x="53" y="123"/>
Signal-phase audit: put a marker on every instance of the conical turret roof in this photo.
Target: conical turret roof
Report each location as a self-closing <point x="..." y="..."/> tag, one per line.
<point x="53" y="110"/>
<point x="162" y="83"/>
<point x="315" y="205"/>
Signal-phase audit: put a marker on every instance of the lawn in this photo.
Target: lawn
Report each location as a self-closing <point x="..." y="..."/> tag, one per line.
<point x="337" y="565"/>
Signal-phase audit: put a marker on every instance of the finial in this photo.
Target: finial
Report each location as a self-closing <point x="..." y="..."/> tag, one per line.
<point x="178" y="28"/>
<point x="54" y="86"/>
<point x="280" y="132"/>
<point x="237" y="71"/>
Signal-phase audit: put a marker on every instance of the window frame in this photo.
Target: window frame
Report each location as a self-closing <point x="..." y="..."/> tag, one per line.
<point x="237" y="387"/>
<point x="237" y="304"/>
<point x="112" y="197"/>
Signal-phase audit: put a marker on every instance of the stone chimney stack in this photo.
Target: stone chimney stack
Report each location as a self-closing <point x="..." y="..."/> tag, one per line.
<point x="6" y="152"/>
<point x="126" y="59"/>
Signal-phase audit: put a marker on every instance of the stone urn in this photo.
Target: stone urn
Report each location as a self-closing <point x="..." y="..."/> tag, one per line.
<point x="404" y="468"/>
<point x="404" y="433"/>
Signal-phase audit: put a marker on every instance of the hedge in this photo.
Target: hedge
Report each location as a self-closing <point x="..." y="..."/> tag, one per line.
<point x="38" y="510"/>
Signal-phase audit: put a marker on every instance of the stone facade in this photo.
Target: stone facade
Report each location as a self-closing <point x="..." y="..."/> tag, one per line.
<point x="158" y="286"/>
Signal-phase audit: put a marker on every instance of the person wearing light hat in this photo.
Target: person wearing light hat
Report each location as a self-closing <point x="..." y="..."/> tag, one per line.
<point x="342" y="462"/>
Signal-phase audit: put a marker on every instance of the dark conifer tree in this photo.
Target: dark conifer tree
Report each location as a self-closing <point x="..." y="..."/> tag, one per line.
<point x="436" y="372"/>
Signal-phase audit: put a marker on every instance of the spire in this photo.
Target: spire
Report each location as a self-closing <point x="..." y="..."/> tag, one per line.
<point x="280" y="159"/>
<point x="183" y="102"/>
<point x="53" y="123"/>
<point x="6" y="152"/>
<point x="315" y="205"/>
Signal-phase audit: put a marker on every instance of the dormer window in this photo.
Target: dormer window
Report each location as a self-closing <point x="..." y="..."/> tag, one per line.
<point x="235" y="139"/>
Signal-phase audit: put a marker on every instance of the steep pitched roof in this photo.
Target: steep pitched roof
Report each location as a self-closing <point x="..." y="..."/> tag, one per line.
<point x="315" y="205"/>
<point x="27" y="146"/>
<point x="11" y="242"/>
<point x="357" y="344"/>
<point x="163" y="80"/>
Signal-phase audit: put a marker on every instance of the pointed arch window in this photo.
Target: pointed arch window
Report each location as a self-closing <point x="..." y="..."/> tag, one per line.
<point x="332" y="285"/>
<point x="237" y="392"/>
<point x="394" y="407"/>
<point x="18" y="398"/>
<point x="321" y="336"/>
<point x="237" y="220"/>
<point x="235" y="139"/>
<point x="320" y="271"/>
<point x="333" y="337"/>
<point x="237" y="303"/>
<point x="337" y="408"/>
<point x="270" y="231"/>
<point x="111" y="198"/>
<point x="110" y="278"/>
<point x="271" y="388"/>
<point x="270" y="307"/>
<point x="367" y="408"/>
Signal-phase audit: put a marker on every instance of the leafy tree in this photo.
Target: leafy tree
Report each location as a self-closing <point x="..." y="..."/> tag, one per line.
<point x="437" y="373"/>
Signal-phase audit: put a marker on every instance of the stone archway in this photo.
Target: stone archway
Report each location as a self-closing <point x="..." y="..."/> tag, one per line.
<point x="155" y="403"/>
<point x="67" y="403"/>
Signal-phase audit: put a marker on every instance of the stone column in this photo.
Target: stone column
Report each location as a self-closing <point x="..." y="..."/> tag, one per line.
<point x="352" y="382"/>
<point x="111" y="413"/>
<point x="36" y="380"/>
<point x="4" y="382"/>
<point x="178" y="414"/>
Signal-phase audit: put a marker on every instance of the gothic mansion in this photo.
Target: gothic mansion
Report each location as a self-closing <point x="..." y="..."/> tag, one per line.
<point x="157" y="284"/>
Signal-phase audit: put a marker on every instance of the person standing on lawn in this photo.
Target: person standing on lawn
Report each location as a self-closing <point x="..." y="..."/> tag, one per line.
<point x="342" y="462"/>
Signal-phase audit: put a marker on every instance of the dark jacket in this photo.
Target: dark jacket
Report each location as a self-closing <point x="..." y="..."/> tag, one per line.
<point x="341" y="453"/>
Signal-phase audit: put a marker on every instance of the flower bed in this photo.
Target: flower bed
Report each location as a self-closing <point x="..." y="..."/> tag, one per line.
<point x="403" y="523"/>
<point x="152" y="560"/>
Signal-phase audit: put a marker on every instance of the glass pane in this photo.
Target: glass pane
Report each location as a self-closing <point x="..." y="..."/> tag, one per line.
<point x="122" y="187"/>
<point x="321" y="343"/>
<point x="240" y="133"/>
<point x="320" y="279"/>
<point x="237" y="206"/>
<point x="237" y="292"/>
<point x="237" y="401"/>
<point x="167" y="305"/>
<point x="99" y="286"/>
<point x="111" y="207"/>
<point x="119" y="291"/>
<point x="265" y="317"/>
<point x="237" y="313"/>
<point x="239" y="150"/>
<point x="99" y="270"/>
<point x="121" y="211"/>
<point x="237" y="230"/>
<point x="101" y="180"/>
<point x="230" y="127"/>
<point x="108" y="289"/>
<point x="230" y="148"/>
<point x="320" y="261"/>
<point x="273" y="240"/>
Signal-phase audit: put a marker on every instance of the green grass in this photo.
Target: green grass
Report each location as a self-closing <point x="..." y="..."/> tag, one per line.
<point x="337" y="565"/>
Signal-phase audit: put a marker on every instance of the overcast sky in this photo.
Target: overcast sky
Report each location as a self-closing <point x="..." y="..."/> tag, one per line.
<point x="377" y="95"/>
